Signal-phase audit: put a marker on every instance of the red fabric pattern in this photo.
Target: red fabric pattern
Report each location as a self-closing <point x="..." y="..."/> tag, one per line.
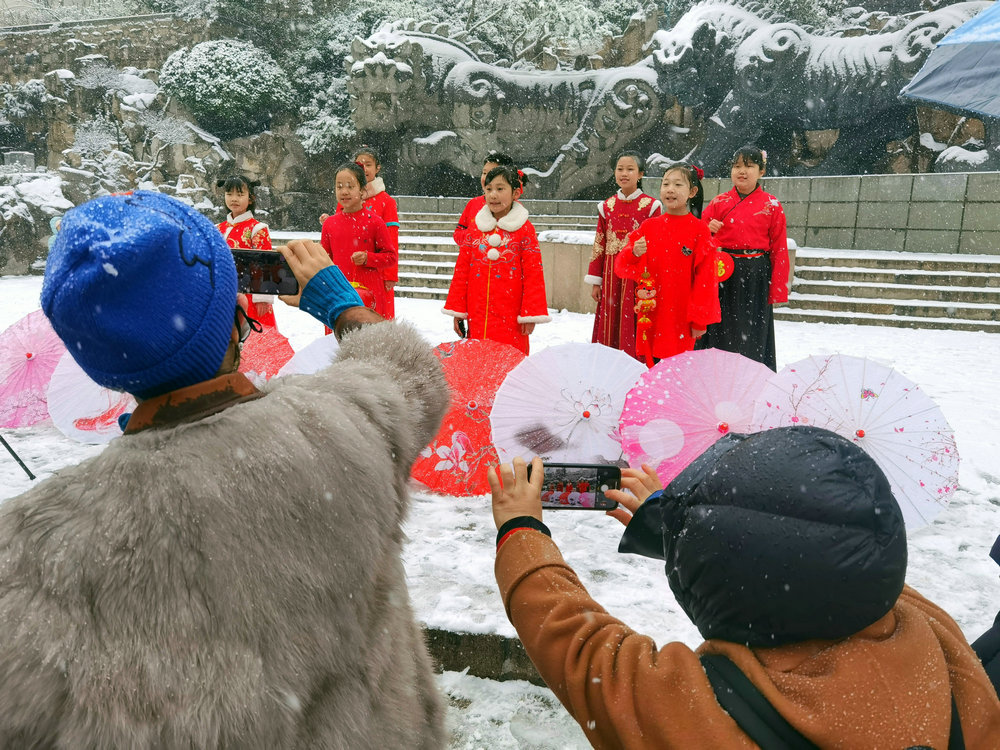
<point x="681" y="259"/>
<point x="467" y="221"/>
<point x="614" y="323"/>
<point x="494" y="294"/>
<point x="345" y="234"/>
<point x="755" y="223"/>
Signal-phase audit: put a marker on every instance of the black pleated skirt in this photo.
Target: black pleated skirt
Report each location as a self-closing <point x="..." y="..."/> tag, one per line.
<point x="747" y="325"/>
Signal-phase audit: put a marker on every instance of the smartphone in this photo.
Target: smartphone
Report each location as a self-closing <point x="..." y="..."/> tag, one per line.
<point x="463" y="331"/>
<point x="264" y="272"/>
<point x="579" y="486"/>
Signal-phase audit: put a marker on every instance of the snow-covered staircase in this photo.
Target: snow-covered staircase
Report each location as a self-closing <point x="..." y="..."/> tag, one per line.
<point x="912" y="290"/>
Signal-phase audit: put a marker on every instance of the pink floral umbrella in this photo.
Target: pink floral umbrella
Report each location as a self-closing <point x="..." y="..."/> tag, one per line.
<point x="882" y="411"/>
<point x="29" y="352"/>
<point x="456" y="461"/>
<point x="683" y="404"/>
<point x="563" y="404"/>
<point x="80" y="408"/>
<point x="265" y="353"/>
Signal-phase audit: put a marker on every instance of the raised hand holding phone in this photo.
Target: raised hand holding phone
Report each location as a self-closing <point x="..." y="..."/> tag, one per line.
<point x="637" y="485"/>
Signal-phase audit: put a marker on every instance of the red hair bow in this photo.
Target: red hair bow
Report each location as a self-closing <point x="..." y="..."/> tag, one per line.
<point x="698" y="171"/>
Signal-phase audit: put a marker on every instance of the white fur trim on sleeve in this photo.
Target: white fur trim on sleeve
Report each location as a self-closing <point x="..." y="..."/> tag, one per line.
<point x="600" y="210"/>
<point x="257" y="227"/>
<point x="452" y="313"/>
<point x="654" y="206"/>
<point x="533" y="318"/>
<point x="593" y="280"/>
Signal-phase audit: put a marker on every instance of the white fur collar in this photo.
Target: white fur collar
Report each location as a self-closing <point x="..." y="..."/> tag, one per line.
<point x="510" y="223"/>
<point x="237" y="219"/>
<point x="632" y="197"/>
<point x="374" y="187"/>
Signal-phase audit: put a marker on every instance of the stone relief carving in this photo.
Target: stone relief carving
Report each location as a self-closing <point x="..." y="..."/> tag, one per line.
<point x="722" y="76"/>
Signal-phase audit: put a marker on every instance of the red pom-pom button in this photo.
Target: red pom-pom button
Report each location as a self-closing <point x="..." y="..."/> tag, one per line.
<point x="860" y="433"/>
<point x="723" y="427"/>
<point x="29" y="355"/>
<point x="586" y="415"/>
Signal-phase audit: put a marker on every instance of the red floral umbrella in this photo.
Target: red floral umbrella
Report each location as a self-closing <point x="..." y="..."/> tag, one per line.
<point x="265" y="353"/>
<point x="456" y="461"/>
<point x="29" y="353"/>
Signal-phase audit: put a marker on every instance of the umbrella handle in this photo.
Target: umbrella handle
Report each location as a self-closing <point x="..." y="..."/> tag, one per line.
<point x="16" y="457"/>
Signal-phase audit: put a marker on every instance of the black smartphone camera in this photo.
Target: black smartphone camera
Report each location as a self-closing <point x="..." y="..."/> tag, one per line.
<point x="579" y="486"/>
<point x="264" y="272"/>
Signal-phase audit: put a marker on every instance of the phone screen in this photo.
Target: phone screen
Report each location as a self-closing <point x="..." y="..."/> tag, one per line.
<point x="264" y="272"/>
<point x="579" y="486"/>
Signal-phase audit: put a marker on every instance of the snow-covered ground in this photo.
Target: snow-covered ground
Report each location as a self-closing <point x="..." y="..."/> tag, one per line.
<point x="450" y="553"/>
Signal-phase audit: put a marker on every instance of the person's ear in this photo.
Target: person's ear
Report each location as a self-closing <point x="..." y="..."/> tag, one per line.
<point x="518" y="192"/>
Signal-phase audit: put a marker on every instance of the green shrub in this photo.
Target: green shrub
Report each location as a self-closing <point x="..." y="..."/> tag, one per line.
<point x="232" y="88"/>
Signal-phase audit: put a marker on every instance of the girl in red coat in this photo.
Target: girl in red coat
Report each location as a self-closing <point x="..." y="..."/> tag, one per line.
<point x="749" y="224"/>
<point x="498" y="285"/>
<point x="379" y="202"/>
<point x="618" y="216"/>
<point x="242" y="231"/>
<point x="672" y="259"/>
<point x="357" y="240"/>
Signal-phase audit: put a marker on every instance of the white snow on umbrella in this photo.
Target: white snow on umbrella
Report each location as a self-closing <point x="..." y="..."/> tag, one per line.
<point x="563" y="404"/>
<point x="882" y="411"/>
<point x="80" y="408"/>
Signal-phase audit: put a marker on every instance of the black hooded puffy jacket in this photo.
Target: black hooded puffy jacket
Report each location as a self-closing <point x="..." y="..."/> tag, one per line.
<point x="781" y="536"/>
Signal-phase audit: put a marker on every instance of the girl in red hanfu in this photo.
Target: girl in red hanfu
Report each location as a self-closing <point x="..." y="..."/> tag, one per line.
<point x="673" y="255"/>
<point x="498" y="287"/>
<point x="242" y="231"/>
<point x="379" y="202"/>
<point x="749" y="225"/>
<point x="468" y="218"/>
<point x="617" y="217"/>
<point x="357" y="240"/>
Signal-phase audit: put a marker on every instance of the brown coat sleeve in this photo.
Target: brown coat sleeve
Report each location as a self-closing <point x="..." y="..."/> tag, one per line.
<point x="621" y="689"/>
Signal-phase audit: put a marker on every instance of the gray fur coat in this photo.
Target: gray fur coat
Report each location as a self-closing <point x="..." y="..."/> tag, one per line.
<point x="232" y="582"/>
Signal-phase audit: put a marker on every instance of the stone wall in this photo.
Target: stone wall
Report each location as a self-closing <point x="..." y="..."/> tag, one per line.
<point x="918" y="213"/>
<point x="140" y="41"/>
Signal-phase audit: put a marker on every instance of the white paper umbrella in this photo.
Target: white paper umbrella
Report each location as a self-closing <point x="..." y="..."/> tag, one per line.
<point x="563" y="404"/>
<point x="313" y="357"/>
<point x="886" y="414"/>
<point x="80" y="408"/>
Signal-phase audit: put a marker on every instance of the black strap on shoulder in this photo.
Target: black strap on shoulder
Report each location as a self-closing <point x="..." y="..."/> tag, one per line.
<point x="956" y="741"/>
<point x="749" y="708"/>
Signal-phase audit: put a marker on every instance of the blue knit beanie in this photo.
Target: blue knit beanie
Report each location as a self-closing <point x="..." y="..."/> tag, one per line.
<point x="142" y="290"/>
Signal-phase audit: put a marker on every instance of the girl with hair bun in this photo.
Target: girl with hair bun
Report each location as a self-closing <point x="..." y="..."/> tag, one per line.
<point x="749" y="225"/>
<point x="498" y="287"/>
<point x="358" y="241"/>
<point x="242" y="231"/>
<point x="617" y="217"/>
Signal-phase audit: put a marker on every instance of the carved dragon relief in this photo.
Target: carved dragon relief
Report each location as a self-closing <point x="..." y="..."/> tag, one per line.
<point x="743" y="74"/>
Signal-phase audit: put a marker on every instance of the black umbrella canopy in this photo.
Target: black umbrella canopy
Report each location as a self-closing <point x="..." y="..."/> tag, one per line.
<point x="962" y="74"/>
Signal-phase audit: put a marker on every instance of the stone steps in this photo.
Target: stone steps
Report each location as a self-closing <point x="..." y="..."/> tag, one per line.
<point x="415" y="224"/>
<point x="909" y="290"/>
<point x="899" y="289"/>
